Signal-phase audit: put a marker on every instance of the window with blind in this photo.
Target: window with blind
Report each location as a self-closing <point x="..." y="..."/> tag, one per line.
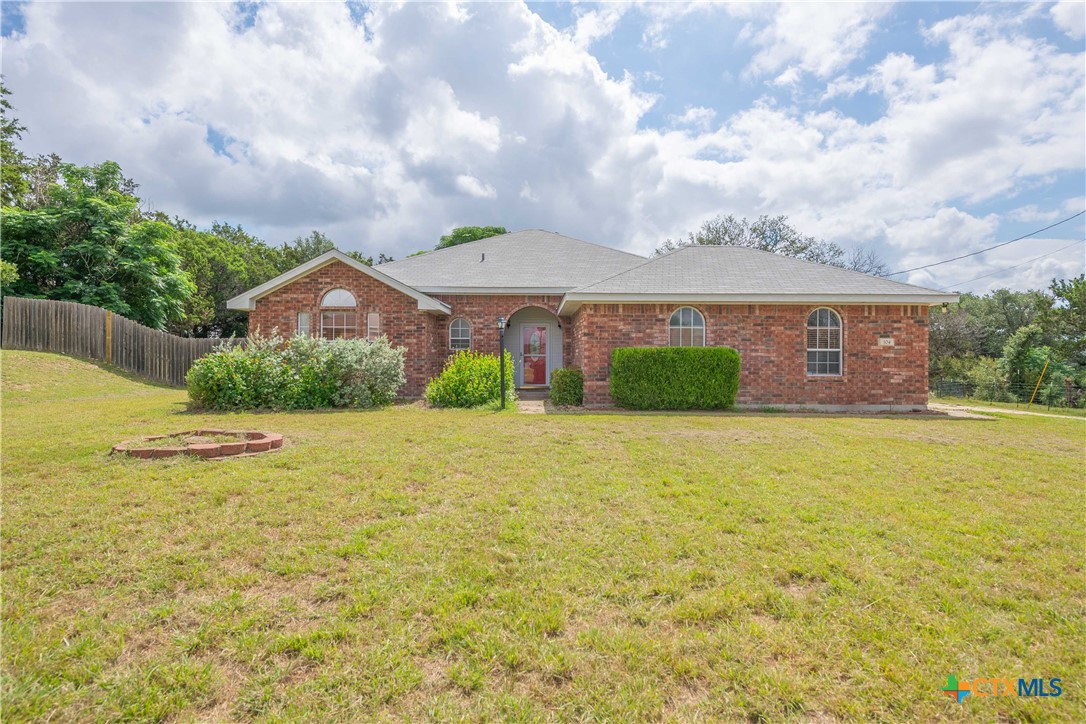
<point x="823" y="343"/>
<point x="687" y="328"/>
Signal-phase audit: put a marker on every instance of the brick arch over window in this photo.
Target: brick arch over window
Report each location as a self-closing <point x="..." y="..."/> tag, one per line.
<point x="824" y="343"/>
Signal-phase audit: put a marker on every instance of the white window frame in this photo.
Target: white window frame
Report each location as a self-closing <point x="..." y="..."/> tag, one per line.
<point x="304" y="327"/>
<point x="339" y="298"/>
<point x="339" y="320"/>
<point x="695" y="325"/>
<point x="343" y="324"/>
<point x="373" y="326"/>
<point x="465" y="340"/>
<point x="824" y="344"/>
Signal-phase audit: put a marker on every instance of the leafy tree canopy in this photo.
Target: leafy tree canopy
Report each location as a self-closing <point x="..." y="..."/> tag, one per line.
<point x="464" y="234"/>
<point x="88" y="244"/>
<point x="13" y="164"/>
<point x="775" y="234"/>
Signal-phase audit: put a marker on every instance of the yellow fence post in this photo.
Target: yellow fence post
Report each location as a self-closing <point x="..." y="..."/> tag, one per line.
<point x="1038" y="386"/>
<point x="109" y="337"/>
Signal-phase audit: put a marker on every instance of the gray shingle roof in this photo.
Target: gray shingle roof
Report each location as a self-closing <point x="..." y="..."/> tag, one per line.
<point x="713" y="271"/>
<point x="532" y="259"/>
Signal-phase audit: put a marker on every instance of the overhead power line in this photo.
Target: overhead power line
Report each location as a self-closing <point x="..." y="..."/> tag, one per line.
<point x="974" y="253"/>
<point x="1000" y="271"/>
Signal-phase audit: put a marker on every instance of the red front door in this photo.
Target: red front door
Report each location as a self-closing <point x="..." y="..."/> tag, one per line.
<point x="534" y="349"/>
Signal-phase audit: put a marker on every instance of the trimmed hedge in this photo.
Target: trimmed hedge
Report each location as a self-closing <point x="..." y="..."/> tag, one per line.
<point x="567" y="386"/>
<point x="471" y="379"/>
<point x="674" y="378"/>
<point x="302" y="373"/>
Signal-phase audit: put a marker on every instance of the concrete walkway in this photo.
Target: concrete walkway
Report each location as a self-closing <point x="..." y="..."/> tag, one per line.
<point x="950" y="409"/>
<point x="532" y="407"/>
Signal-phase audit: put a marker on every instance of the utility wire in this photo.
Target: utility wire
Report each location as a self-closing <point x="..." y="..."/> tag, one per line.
<point x="974" y="253"/>
<point x="1000" y="271"/>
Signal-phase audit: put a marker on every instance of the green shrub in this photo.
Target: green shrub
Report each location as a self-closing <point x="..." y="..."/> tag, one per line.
<point x="567" y="386"/>
<point x="471" y="379"/>
<point x="300" y="373"/>
<point x="674" y="378"/>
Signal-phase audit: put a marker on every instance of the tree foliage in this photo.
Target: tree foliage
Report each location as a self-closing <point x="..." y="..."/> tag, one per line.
<point x="464" y="234"/>
<point x="776" y="235"/>
<point x="88" y="244"/>
<point x="13" y="164"/>
<point x="1000" y="342"/>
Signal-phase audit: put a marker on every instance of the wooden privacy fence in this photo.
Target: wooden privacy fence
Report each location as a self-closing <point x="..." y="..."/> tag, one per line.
<point x="80" y="330"/>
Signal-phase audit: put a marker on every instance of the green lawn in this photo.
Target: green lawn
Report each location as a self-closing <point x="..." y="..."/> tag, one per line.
<point x="411" y="563"/>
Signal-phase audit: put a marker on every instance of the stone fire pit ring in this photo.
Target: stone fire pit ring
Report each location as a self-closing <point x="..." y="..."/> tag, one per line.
<point x="245" y="442"/>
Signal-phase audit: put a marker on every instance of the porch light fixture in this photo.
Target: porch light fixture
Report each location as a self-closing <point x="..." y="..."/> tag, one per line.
<point x="501" y="356"/>
<point x="946" y="308"/>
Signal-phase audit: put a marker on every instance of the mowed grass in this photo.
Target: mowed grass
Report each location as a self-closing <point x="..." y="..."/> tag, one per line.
<point x="421" y="564"/>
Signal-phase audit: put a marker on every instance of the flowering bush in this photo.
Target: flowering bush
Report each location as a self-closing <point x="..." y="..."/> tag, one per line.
<point x="299" y="373"/>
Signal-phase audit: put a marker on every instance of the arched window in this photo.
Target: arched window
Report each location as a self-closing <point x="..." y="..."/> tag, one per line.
<point x="687" y="328"/>
<point x="338" y="298"/>
<point x="338" y="318"/>
<point x="823" y="342"/>
<point x="459" y="334"/>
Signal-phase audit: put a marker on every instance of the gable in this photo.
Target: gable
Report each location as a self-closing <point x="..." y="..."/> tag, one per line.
<point x="246" y="301"/>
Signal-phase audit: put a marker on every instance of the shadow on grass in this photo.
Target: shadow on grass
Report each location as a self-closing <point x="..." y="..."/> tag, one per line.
<point x="552" y="409"/>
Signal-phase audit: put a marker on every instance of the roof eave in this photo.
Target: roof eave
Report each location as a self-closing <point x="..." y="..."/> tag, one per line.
<point x="573" y="300"/>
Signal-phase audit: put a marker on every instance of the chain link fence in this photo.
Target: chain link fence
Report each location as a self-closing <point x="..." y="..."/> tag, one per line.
<point x="1052" y="393"/>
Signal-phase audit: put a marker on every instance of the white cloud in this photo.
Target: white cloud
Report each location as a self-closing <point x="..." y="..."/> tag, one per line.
<point x="1070" y="17"/>
<point x="696" y="116"/>
<point x="817" y="38"/>
<point x="474" y="187"/>
<point x="597" y="23"/>
<point x="385" y="134"/>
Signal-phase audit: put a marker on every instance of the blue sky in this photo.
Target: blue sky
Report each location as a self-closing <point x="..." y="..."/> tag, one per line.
<point x="921" y="130"/>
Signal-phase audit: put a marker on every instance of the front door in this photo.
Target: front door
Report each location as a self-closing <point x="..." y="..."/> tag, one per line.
<point x="533" y="339"/>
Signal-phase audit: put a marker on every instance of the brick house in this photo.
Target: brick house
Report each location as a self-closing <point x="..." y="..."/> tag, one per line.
<point x="808" y="335"/>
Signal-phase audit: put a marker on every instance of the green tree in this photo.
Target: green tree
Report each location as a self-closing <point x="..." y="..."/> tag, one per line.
<point x="994" y="317"/>
<point x="88" y="244"/>
<point x="222" y="263"/>
<point x="464" y="234"/>
<point x="302" y="249"/>
<point x="1065" y="319"/>
<point x="13" y="164"/>
<point x="776" y="235"/>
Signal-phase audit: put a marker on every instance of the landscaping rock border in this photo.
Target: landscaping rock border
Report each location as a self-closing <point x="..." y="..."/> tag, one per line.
<point x="254" y="442"/>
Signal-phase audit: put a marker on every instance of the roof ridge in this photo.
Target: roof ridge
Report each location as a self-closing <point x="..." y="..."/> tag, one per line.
<point x="510" y="233"/>
<point x="815" y="263"/>
<point x="647" y="261"/>
<point x="444" y="248"/>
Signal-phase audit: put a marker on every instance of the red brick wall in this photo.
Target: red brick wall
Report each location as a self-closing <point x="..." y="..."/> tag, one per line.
<point x="482" y="312"/>
<point x="401" y="320"/>
<point x="771" y="340"/>
<point x="424" y="335"/>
